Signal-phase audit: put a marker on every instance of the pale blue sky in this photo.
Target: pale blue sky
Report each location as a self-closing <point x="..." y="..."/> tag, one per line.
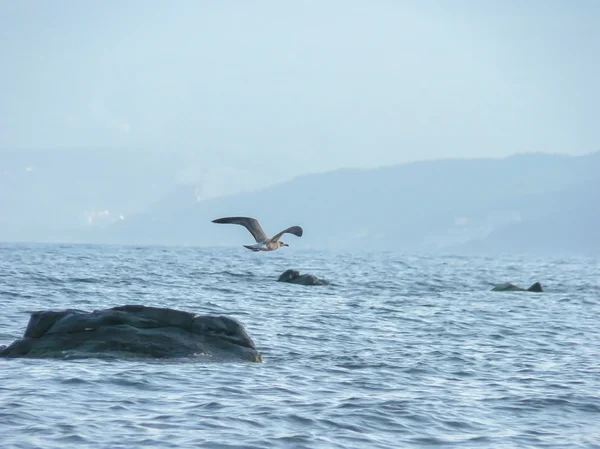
<point x="296" y="87"/>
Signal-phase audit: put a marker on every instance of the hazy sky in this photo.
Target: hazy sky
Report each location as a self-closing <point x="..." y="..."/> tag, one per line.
<point x="295" y="87"/>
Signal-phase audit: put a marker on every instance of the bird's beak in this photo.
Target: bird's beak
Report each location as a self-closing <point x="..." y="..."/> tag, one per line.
<point x="285" y="244"/>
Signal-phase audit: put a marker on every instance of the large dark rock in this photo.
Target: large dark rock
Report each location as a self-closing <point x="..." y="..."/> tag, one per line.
<point x="508" y="287"/>
<point x="294" y="277"/>
<point x="133" y="330"/>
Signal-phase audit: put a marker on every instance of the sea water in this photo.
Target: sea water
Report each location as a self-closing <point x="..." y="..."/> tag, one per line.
<point x="400" y="350"/>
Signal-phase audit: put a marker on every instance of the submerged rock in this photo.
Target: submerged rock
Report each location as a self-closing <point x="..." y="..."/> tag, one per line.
<point x="508" y="287"/>
<point x="294" y="277"/>
<point x="132" y="330"/>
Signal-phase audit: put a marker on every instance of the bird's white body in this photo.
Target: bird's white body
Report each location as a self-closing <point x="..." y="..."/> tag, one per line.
<point x="257" y="247"/>
<point x="265" y="246"/>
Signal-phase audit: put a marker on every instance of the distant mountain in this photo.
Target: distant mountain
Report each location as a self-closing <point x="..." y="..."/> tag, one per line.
<point x="553" y="223"/>
<point x="524" y="203"/>
<point x="530" y="202"/>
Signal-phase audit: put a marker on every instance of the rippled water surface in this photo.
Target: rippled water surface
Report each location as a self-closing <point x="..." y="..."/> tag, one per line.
<point x="400" y="351"/>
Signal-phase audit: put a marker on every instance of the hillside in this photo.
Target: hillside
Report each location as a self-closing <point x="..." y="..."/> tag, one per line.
<point x="554" y="223"/>
<point x="69" y="194"/>
<point x="426" y="206"/>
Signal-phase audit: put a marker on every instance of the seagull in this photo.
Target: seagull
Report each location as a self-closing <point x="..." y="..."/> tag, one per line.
<point x="263" y="243"/>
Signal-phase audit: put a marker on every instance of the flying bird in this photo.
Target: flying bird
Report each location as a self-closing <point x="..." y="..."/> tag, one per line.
<point x="263" y="243"/>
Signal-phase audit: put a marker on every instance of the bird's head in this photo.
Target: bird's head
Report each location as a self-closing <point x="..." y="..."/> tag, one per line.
<point x="283" y="244"/>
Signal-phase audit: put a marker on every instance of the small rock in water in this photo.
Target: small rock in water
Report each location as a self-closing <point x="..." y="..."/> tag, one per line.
<point x="294" y="277"/>
<point x="508" y="287"/>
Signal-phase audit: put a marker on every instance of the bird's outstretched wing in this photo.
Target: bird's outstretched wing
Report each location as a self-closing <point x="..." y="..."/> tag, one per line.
<point x="251" y="224"/>
<point x="296" y="230"/>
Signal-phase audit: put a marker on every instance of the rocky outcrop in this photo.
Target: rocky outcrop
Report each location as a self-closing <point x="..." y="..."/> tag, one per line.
<point x="294" y="277"/>
<point x="508" y="287"/>
<point x="133" y="330"/>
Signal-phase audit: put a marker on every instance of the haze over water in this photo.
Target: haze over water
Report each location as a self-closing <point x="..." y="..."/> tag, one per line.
<point x="400" y="351"/>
